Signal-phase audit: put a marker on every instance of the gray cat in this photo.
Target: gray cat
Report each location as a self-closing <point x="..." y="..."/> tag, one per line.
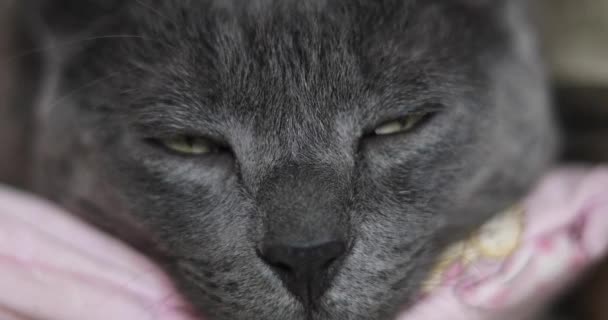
<point x="289" y="159"/>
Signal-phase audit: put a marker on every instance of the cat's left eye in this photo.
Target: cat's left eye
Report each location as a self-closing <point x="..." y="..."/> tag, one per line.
<point x="187" y="145"/>
<point x="401" y="125"/>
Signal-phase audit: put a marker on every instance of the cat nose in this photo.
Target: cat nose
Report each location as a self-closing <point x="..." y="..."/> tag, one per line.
<point x="306" y="270"/>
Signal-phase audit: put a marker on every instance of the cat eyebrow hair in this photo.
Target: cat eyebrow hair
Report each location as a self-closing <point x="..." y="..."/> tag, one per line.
<point x="170" y="119"/>
<point x="161" y="118"/>
<point x="392" y="104"/>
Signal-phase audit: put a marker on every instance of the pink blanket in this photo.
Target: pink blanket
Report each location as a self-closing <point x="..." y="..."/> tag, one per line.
<point x="53" y="267"/>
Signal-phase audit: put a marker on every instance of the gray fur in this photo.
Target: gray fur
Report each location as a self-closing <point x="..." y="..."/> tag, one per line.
<point x="292" y="88"/>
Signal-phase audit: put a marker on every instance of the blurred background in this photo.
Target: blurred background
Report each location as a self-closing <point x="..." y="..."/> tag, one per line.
<point x="575" y="37"/>
<point x="575" y="33"/>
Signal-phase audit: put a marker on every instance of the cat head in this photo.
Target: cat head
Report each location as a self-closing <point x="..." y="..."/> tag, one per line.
<point x="293" y="159"/>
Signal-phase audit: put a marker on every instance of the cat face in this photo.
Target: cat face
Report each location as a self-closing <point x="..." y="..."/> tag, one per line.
<point x="292" y="159"/>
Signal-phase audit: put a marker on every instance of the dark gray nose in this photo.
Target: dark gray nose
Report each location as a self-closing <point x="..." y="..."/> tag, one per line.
<point x="306" y="270"/>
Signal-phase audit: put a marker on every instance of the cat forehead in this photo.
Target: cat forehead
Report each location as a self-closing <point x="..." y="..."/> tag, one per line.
<point x="362" y="17"/>
<point x="296" y="56"/>
<point x="313" y="40"/>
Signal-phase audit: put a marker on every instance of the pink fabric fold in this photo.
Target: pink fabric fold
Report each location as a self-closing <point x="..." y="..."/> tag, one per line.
<point x="54" y="267"/>
<point x="564" y="230"/>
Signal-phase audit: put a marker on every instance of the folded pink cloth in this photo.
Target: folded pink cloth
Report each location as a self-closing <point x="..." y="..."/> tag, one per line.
<point x="53" y="267"/>
<point x="522" y="259"/>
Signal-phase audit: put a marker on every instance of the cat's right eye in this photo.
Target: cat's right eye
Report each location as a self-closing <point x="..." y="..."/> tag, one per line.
<point x="402" y="125"/>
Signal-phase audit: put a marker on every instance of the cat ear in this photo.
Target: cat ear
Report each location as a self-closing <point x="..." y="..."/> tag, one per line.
<point x="68" y="17"/>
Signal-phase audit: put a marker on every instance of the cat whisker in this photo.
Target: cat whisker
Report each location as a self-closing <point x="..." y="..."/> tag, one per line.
<point x="196" y="282"/>
<point x="81" y="88"/>
<point x="191" y="260"/>
<point x="158" y="13"/>
<point x="189" y="271"/>
<point x="70" y="43"/>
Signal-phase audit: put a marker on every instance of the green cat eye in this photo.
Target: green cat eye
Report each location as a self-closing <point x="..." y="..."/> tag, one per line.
<point x="402" y="125"/>
<point x="188" y="145"/>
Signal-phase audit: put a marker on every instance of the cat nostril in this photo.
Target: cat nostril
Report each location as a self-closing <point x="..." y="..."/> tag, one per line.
<point x="306" y="271"/>
<point x="282" y="267"/>
<point x="329" y="263"/>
